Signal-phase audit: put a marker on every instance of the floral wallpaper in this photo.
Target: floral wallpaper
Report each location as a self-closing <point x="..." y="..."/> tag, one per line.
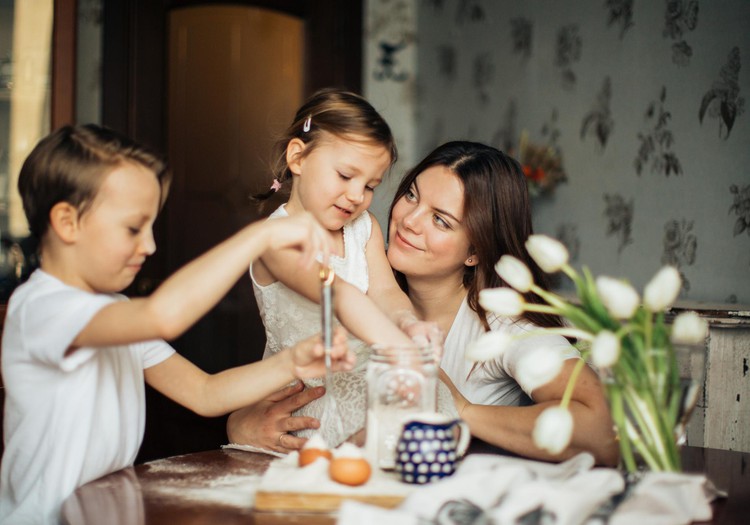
<point x="644" y="101"/>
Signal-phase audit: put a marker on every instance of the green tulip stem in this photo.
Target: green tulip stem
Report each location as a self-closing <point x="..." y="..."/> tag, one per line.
<point x="571" y="383"/>
<point x="533" y="307"/>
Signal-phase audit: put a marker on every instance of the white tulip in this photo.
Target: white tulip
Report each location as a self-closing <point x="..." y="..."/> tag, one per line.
<point x="550" y="254"/>
<point x="605" y="350"/>
<point x="620" y="299"/>
<point x="663" y="289"/>
<point x="689" y="328"/>
<point x="488" y="346"/>
<point x="514" y="272"/>
<point x="553" y="429"/>
<point x="538" y="366"/>
<point x="502" y="301"/>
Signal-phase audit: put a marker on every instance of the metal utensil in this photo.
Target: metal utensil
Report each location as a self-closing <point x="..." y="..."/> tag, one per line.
<point x="330" y="421"/>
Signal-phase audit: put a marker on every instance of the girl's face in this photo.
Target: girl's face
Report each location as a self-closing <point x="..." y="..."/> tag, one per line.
<point x="426" y="235"/>
<point x="335" y="181"/>
<point x="115" y="235"/>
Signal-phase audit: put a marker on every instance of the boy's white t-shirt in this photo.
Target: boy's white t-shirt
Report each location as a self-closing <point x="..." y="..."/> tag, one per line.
<point x="494" y="382"/>
<point x="68" y="419"/>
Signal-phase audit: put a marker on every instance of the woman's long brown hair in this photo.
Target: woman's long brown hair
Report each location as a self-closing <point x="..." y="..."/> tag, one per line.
<point x="496" y="215"/>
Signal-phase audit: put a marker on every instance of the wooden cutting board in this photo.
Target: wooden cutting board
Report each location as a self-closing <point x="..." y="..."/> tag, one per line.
<point x="285" y="487"/>
<point x="310" y="502"/>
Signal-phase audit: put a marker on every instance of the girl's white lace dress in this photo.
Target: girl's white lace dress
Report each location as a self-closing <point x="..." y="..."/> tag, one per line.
<point x="289" y="318"/>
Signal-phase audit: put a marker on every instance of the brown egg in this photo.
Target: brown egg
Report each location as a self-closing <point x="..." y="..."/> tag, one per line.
<point x="308" y="455"/>
<point x="349" y="471"/>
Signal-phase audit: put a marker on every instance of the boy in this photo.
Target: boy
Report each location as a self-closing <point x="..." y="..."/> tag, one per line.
<point x="75" y="353"/>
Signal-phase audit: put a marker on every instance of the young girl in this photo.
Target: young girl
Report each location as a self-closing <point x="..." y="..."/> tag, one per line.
<point x="335" y="153"/>
<point x="75" y="353"/>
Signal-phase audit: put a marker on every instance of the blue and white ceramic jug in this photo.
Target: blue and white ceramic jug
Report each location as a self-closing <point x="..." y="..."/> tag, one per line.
<point x="430" y="446"/>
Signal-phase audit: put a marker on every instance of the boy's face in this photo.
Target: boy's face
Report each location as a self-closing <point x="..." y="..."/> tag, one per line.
<point x="115" y="234"/>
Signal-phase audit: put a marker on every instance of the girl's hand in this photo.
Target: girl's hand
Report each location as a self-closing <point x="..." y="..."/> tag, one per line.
<point x="423" y="333"/>
<point x="303" y="232"/>
<point x="308" y="356"/>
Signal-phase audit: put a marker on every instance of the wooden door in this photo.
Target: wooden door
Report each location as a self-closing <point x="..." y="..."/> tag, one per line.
<point x="234" y="80"/>
<point x="209" y="84"/>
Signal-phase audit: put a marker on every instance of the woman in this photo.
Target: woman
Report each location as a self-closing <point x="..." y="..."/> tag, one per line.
<point x="453" y="216"/>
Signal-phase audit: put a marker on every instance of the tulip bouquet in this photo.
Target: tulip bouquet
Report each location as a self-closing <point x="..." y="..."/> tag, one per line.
<point x="625" y="338"/>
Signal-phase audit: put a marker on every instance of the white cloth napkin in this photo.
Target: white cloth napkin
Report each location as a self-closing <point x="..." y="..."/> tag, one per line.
<point x="499" y="490"/>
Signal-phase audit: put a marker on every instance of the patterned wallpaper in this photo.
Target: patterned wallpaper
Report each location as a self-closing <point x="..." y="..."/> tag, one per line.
<point x="644" y="101"/>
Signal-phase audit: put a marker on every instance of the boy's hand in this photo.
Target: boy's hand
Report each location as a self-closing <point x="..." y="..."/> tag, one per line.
<point x="308" y="356"/>
<point x="303" y="232"/>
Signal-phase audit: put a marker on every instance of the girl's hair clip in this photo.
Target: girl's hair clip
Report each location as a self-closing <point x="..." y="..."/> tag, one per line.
<point x="306" y="125"/>
<point x="276" y="186"/>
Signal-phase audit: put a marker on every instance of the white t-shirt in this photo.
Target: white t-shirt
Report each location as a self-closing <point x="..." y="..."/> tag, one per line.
<point x="493" y="382"/>
<point x="68" y="419"/>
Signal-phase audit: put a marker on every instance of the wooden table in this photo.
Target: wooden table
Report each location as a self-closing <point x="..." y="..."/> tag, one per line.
<point x="216" y="487"/>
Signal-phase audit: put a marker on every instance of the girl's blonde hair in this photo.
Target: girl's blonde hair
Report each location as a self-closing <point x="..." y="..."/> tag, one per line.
<point x="340" y="113"/>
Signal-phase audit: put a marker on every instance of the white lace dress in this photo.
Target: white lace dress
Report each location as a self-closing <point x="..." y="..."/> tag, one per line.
<point x="289" y="318"/>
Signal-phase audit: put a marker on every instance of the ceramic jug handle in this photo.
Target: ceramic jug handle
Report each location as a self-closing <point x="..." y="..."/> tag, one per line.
<point x="464" y="438"/>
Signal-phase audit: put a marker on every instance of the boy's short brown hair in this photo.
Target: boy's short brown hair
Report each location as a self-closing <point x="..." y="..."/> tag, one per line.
<point x="69" y="165"/>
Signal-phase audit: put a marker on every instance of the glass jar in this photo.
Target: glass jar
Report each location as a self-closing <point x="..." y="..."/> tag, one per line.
<point x="401" y="381"/>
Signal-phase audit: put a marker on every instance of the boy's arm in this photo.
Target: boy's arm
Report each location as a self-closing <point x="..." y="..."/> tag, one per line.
<point x="217" y="394"/>
<point x="194" y="289"/>
<point x="356" y="311"/>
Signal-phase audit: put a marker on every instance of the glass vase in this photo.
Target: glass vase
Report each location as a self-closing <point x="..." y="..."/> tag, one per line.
<point x="651" y="400"/>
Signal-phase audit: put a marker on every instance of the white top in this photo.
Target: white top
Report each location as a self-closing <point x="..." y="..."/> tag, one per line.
<point x="68" y="419"/>
<point x="289" y="317"/>
<point x="493" y="382"/>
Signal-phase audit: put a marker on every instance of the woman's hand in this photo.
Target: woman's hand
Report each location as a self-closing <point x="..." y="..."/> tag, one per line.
<point x="267" y="424"/>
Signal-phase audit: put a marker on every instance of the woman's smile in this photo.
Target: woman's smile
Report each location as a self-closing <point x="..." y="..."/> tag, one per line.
<point x="400" y="239"/>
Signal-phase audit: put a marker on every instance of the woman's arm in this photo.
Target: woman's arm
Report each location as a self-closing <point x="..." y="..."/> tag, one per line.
<point x="510" y="427"/>
<point x="220" y="393"/>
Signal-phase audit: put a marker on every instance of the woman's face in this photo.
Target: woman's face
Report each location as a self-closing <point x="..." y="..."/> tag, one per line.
<point x="426" y="235"/>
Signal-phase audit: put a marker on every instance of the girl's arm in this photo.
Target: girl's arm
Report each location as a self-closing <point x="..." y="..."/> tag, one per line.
<point x="197" y="287"/>
<point x="388" y="295"/>
<point x="510" y="427"/>
<point x="217" y="394"/>
<point x="356" y="311"/>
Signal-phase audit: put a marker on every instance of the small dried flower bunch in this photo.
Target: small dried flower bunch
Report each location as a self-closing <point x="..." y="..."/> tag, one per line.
<point x="622" y="333"/>
<point x="542" y="166"/>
